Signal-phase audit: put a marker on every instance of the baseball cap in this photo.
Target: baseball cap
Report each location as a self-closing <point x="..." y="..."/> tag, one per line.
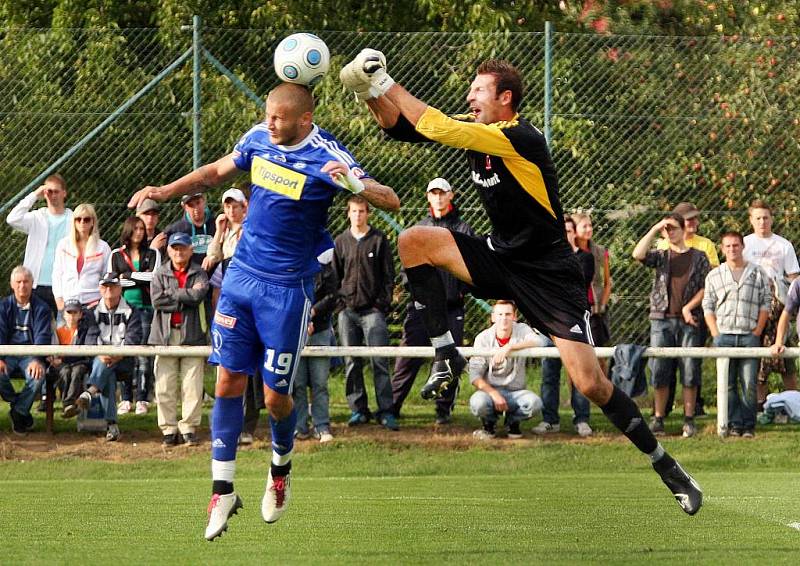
<point x="687" y="210"/>
<point x="233" y="193"/>
<point x="439" y="183"/>
<point x="180" y="239"/>
<point x="109" y="278"/>
<point x="187" y="198"/>
<point x="72" y="305"/>
<point x="147" y="205"/>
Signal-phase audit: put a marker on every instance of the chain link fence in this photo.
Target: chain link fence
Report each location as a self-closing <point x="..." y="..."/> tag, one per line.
<point x="638" y="123"/>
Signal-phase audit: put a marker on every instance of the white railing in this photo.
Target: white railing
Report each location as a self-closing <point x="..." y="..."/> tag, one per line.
<point x="722" y="355"/>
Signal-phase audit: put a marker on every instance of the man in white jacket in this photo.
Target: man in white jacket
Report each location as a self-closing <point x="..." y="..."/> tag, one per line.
<point x="500" y="381"/>
<point x="44" y="226"/>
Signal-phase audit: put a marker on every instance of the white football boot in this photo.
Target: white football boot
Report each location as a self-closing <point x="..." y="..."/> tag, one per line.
<point x="220" y="509"/>
<point x="276" y="497"/>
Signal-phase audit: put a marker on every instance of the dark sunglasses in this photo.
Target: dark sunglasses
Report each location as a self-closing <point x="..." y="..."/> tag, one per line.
<point x="84" y="219"/>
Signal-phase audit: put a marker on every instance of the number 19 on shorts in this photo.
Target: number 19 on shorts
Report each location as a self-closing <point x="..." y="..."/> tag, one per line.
<point x="284" y="362"/>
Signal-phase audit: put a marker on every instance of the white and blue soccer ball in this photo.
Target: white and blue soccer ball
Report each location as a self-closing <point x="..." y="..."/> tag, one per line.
<point x="302" y="58"/>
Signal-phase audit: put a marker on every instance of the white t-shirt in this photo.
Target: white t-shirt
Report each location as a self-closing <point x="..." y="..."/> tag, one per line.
<point x="776" y="256"/>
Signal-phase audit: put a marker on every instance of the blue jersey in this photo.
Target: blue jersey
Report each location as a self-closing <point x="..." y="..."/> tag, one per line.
<point x="287" y="217"/>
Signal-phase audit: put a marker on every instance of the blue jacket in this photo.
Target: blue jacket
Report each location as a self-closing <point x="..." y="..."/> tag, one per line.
<point x="41" y="330"/>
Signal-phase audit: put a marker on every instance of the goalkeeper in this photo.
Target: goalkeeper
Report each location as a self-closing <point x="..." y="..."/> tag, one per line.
<point x="526" y="257"/>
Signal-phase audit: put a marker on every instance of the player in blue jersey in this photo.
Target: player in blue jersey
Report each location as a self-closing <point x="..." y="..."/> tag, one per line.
<point x="262" y="315"/>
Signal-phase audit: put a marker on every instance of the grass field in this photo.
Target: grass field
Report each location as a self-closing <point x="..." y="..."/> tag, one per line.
<point x="423" y="496"/>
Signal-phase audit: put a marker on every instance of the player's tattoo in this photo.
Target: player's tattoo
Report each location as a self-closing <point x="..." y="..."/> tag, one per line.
<point x="205" y="180"/>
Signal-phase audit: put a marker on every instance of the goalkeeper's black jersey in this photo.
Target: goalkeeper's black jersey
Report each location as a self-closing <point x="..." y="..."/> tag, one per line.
<point x="514" y="174"/>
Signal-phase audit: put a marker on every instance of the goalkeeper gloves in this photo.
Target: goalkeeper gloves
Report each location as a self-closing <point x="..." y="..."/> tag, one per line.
<point x="366" y="75"/>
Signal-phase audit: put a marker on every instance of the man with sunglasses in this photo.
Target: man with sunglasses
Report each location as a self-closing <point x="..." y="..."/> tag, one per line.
<point x="44" y="226"/>
<point x="675" y="313"/>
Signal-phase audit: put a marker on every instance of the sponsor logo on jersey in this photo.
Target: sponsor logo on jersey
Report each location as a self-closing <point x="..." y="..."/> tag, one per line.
<point x="224" y="320"/>
<point x="299" y="165"/>
<point x="490" y="182"/>
<point x="277" y="178"/>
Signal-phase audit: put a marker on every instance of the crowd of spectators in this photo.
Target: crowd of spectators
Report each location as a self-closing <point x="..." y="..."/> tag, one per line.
<point x="160" y="288"/>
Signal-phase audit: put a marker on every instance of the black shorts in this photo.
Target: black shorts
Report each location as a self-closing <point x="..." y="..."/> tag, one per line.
<point x="548" y="290"/>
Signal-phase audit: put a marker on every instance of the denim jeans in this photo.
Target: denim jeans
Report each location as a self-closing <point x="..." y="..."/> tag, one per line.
<point x="143" y="376"/>
<point x="20" y="402"/>
<point x="742" y="373"/>
<point x="522" y="405"/>
<point x="551" y="393"/>
<point x="313" y="373"/>
<point x="365" y="329"/>
<point x="104" y="378"/>
<point x="674" y="332"/>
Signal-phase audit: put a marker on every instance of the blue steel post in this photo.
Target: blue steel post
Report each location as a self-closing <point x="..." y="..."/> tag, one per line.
<point x="548" y="78"/>
<point x="197" y="60"/>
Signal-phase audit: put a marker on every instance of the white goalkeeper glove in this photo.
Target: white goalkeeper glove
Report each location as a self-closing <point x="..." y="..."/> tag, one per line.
<point x="366" y="75"/>
<point x="350" y="182"/>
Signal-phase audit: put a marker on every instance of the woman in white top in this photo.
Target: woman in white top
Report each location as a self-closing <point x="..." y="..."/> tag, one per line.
<point x="81" y="258"/>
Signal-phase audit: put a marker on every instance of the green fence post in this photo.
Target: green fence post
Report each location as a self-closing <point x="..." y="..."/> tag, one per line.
<point x="196" y="62"/>
<point x="548" y="84"/>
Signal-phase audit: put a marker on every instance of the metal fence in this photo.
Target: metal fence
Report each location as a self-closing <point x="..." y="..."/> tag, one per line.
<point x="637" y="123"/>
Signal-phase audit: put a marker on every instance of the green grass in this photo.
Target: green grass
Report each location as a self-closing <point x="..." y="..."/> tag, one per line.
<point x="378" y="499"/>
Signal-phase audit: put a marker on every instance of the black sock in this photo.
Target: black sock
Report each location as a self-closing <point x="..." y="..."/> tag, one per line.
<point x="430" y="299"/>
<point x="625" y="415"/>
<point x="278" y="471"/>
<point x="221" y="487"/>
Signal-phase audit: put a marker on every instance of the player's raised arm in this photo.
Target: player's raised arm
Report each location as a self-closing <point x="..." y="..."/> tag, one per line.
<point x="376" y="194"/>
<point x="198" y="181"/>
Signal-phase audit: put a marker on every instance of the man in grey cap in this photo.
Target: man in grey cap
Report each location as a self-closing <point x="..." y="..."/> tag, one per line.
<point x="441" y="212"/>
<point x="148" y="211"/>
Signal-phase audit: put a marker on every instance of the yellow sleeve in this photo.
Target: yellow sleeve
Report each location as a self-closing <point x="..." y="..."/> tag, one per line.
<point x="485" y="138"/>
<point x="662" y="244"/>
<point x="711" y="252"/>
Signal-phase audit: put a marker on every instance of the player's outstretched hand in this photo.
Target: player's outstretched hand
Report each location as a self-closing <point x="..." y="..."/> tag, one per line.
<point x="366" y="75"/>
<point x="142" y="194"/>
<point x="343" y="176"/>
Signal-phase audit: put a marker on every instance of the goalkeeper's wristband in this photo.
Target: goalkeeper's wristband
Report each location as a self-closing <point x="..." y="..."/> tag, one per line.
<point x="380" y="84"/>
<point x="350" y="183"/>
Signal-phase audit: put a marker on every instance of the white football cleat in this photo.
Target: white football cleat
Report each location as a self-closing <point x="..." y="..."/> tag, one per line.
<point x="276" y="497"/>
<point x="220" y="509"/>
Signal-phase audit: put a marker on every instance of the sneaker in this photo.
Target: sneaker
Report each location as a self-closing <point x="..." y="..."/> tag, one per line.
<point x="112" y="433"/>
<point x="735" y="432"/>
<point x="442" y="418"/>
<point x="190" y="439"/>
<point x="689" y="429"/>
<point x="546" y="428"/>
<point x="781" y="418"/>
<point x="170" y="440"/>
<point x="443" y="373"/>
<point x="276" y="497"/>
<point x="357" y="419"/>
<point x="124" y="407"/>
<point x="514" y="431"/>
<point x="245" y="438"/>
<point x="325" y="436"/>
<point x="686" y="491"/>
<point x="583" y="429"/>
<point x="749" y="433"/>
<point x="220" y="509"/>
<point x="485" y="433"/>
<point x="388" y="421"/>
<point x="83" y="401"/>
<point x="17" y="423"/>
<point x="302" y="434"/>
<point x="142" y="407"/>
<point x="657" y="426"/>
<point x="70" y="411"/>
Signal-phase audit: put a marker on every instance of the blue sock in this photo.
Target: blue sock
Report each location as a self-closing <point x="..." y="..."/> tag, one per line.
<point x="227" y="420"/>
<point x="283" y="433"/>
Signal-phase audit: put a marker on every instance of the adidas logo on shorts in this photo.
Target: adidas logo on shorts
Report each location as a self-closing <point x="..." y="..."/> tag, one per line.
<point x="576" y="330"/>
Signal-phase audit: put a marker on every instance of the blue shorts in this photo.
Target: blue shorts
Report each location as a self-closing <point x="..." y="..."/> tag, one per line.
<point x="261" y="322"/>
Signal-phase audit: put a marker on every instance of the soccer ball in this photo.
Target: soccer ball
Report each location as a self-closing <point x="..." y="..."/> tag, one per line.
<point x="302" y="58"/>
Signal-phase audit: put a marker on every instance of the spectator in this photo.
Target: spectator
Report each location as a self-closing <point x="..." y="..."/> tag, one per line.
<point x="135" y="264"/>
<point x="551" y="367"/>
<point x="599" y="284"/>
<point x="500" y="382"/>
<point x="674" y="314"/>
<point x="736" y="305"/>
<point x="178" y="290"/>
<point x="791" y="309"/>
<point x="45" y="227"/>
<point x="364" y="266"/>
<point x="228" y="230"/>
<point x="441" y="212"/>
<point x="313" y="372"/>
<point x="777" y="257"/>
<point x="148" y="211"/>
<point x="691" y="219"/>
<point x="81" y="259"/>
<point x="70" y="371"/>
<point x="198" y="222"/>
<point x="24" y="319"/>
<point x="113" y="322"/>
